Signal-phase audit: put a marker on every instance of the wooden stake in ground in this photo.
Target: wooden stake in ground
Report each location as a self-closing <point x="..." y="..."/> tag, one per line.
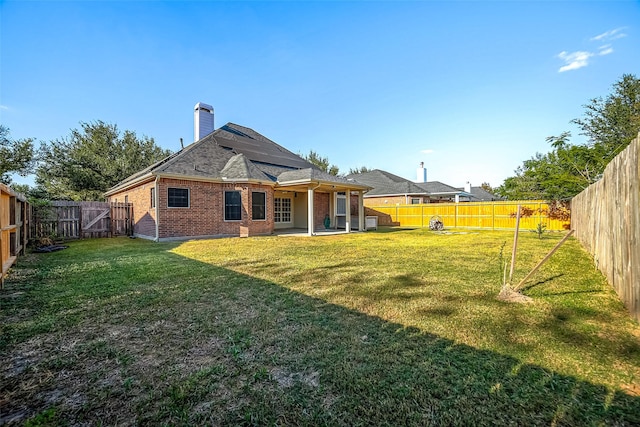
<point x="564" y="239"/>
<point x="515" y="246"/>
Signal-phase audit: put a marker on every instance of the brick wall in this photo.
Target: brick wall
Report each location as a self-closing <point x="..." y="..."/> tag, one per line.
<point x="144" y="216"/>
<point x="205" y="215"/>
<point x="382" y="201"/>
<point x="320" y="208"/>
<point x="394" y="200"/>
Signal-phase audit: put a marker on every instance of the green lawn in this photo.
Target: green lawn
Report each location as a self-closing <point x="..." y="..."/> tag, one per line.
<point x="397" y="327"/>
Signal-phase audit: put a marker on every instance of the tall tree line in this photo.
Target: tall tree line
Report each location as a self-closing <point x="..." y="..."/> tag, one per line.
<point x="81" y="166"/>
<point x="609" y="125"/>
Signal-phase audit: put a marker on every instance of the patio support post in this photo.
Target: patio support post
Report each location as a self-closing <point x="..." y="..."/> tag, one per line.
<point x="310" y="213"/>
<point x="348" y="212"/>
<point x="361" y="211"/>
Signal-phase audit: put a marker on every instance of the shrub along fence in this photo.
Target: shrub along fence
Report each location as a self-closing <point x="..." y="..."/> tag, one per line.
<point x="74" y="220"/>
<point x="491" y="215"/>
<point x="606" y="220"/>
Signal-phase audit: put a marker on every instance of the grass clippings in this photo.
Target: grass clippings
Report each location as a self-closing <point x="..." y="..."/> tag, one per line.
<point x="378" y="328"/>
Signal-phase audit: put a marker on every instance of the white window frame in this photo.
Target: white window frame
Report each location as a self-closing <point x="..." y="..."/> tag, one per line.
<point x="341" y="195"/>
<point x="279" y="211"/>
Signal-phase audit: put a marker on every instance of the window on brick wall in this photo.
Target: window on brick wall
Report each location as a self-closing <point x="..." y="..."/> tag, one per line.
<point x="415" y="201"/>
<point x="232" y="206"/>
<point x="178" y="197"/>
<point x="153" y="197"/>
<point x="258" y="205"/>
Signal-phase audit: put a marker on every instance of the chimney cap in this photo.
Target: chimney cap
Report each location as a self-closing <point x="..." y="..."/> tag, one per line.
<point x="203" y="106"/>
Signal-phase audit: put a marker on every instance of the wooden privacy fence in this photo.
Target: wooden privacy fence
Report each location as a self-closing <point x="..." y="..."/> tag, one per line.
<point x="74" y="220"/>
<point x="14" y="224"/>
<point x="606" y="220"/>
<point x="491" y="215"/>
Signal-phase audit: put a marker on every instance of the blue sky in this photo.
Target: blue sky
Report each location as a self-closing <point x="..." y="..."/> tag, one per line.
<point x="470" y="88"/>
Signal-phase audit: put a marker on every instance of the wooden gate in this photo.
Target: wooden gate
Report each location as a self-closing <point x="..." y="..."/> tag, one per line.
<point x="74" y="220"/>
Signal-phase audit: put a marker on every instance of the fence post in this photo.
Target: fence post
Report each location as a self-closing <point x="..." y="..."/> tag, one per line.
<point x="455" y="216"/>
<point x="80" y="229"/>
<point x="493" y="216"/>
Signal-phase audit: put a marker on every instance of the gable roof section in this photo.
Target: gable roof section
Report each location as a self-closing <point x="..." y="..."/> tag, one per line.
<point x="241" y="169"/>
<point x="386" y="184"/>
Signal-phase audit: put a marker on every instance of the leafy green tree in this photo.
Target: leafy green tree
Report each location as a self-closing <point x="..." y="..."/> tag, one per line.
<point x="321" y="162"/>
<point x="93" y="159"/>
<point x="612" y="123"/>
<point x="361" y="169"/>
<point x="609" y="124"/>
<point x="16" y="156"/>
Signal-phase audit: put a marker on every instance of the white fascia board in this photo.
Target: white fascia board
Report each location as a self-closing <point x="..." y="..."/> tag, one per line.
<point x="141" y="179"/>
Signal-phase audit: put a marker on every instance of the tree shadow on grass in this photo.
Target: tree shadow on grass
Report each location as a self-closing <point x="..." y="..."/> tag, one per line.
<point x="540" y="282"/>
<point x="227" y="348"/>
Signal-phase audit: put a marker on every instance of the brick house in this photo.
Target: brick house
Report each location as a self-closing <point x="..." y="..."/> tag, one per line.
<point x="233" y="181"/>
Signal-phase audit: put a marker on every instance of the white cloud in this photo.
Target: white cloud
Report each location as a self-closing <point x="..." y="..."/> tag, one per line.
<point x="610" y="35"/>
<point x="427" y="151"/>
<point x="574" y="60"/>
<point x="605" y="50"/>
<point x="3" y="107"/>
<point x="580" y="59"/>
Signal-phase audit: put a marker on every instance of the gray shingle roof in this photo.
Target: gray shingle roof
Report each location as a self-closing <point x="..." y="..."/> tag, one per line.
<point x="386" y="184"/>
<point x="437" y="187"/>
<point x="235" y="152"/>
<point x="240" y="168"/>
<point x="200" y="159"/>
<point x="480" y="194"/>
<point x="310" y="174"/>
<point x="256" y="147"/>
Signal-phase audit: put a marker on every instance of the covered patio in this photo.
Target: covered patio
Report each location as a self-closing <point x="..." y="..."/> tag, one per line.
<point x="328" y="199"/>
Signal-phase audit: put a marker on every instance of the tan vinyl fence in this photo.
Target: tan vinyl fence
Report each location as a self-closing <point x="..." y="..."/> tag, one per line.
<point x="606" y="220"/>
<point x="491" y="215"/>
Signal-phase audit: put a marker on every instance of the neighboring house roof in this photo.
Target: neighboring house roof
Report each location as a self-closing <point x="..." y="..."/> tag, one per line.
<point x="437" y="188"/>
<point x="235" y="153"/>
<point x="386" y="184"/>
<point x="480" y="194"/>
